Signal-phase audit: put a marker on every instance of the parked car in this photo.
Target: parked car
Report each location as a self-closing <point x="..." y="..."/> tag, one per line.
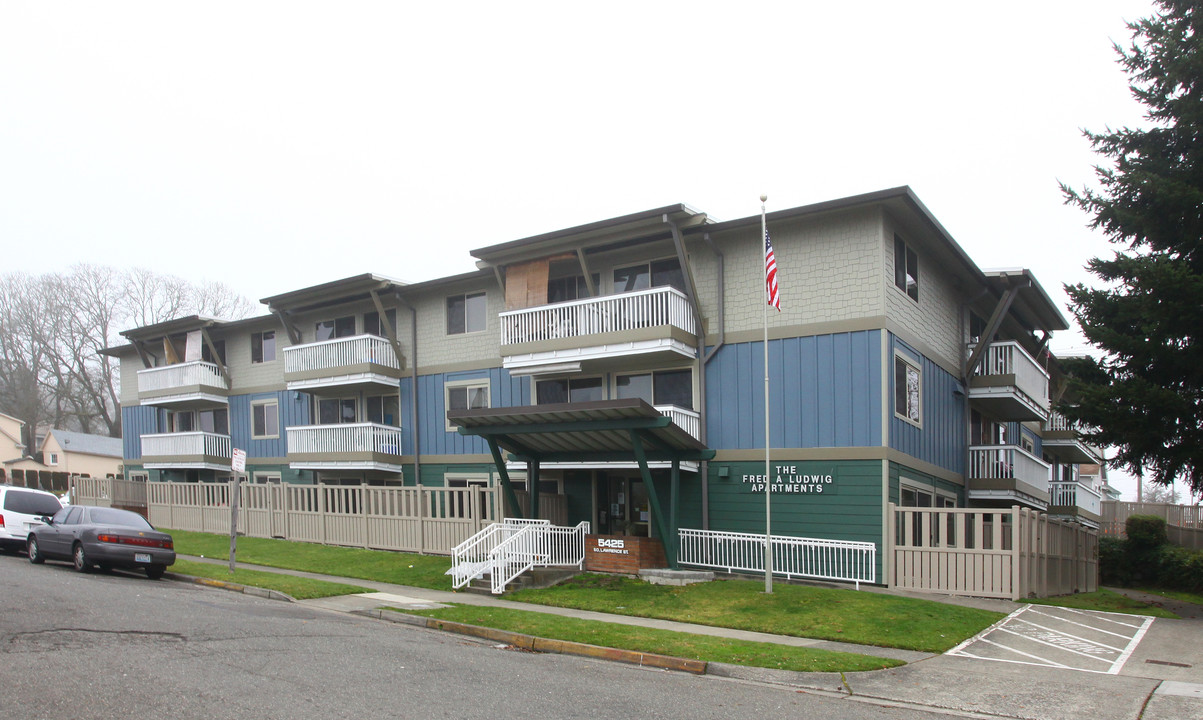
<point x="106" y="537"/>
<point x="21" y="510"/>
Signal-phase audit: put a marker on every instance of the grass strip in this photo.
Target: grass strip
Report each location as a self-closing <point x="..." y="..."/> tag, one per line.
<point x="660" y="642"/>
<point x="424" y="571"/>
<point x="1181" y="596"/>
<point x="296" y="587"/>
<point x="1104" y="600"/>
<point x="860" y="617"/>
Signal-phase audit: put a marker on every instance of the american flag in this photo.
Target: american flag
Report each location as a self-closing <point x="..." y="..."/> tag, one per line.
<point x="770" y="273"/>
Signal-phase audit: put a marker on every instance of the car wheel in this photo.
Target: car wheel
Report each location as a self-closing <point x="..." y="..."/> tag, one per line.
<point x="35" y="553"/>
<point x="154" y="572"/>
<point x="80" y="556"/>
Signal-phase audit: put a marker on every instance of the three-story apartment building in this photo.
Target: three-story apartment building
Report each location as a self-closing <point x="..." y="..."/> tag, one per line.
<point x="620" y="366"/>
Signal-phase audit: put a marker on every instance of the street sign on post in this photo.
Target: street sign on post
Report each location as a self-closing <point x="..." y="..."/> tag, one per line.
<point x="238" y="465"/>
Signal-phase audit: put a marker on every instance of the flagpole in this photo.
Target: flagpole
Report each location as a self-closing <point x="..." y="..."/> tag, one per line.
<point x="768" y="488"/>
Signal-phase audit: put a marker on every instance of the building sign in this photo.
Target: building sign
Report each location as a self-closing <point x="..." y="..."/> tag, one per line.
<point x="787" y="480"/>
<point x="612" y="546"/>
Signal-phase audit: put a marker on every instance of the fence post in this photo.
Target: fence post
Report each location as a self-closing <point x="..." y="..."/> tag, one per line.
<point x="1017" y="574"/>
<point x="363" y="510"/>
<point x="888" y="544"/>
<point x="321" y="509"/>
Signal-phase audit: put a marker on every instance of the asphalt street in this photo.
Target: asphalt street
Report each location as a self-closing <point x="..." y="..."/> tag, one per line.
<point x="119" y="645"/>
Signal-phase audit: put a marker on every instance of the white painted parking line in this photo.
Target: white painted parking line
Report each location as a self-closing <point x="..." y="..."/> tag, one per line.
<point x="1086" y="640"/>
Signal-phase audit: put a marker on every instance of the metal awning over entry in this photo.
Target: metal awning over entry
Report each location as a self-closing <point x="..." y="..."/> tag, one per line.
<point x="601" y="431"/>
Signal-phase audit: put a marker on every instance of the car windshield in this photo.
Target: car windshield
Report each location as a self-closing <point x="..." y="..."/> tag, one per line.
<point x="31" y="503"/>
<point x="124" y="518"/>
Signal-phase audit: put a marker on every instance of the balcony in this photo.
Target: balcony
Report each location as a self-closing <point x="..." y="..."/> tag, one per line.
<point x="192" y="384"/>
<point x="1075" y="500"/>
<point x="1007" y="474"/>
<point x="349" y="363"/>
<point x="348" y="446"/>
<point x="656" y="321"/>
<point x="188" y="450"/>
<point x="684" y="418"/>
<point x="1009" y="384"/>
<point x="1061" y="438"/>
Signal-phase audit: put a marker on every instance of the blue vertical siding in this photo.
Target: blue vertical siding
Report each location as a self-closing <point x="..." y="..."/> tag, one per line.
<point x="293" y="408"/>
<point x="826" y="392"/>
<point x="136" y="421"/>
<point x="504" y="391"/>
<point x="942" y="438"/>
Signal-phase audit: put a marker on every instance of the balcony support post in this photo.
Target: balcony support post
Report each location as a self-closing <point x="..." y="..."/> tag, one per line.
<point x="580" y="256"/>
<point x="294" y="335"/>
<point x="217" y="359"/>
<point x="389" y="332"/>
<point x="1000" y="311"/>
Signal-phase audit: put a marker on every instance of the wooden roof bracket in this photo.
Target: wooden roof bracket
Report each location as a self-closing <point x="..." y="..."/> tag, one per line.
<point x="294" y="335"/>
<point x="580" y="256"/>
<point x="221" y="365"/>
<point x="995" y="322"/>
<point x="389" y="332"/>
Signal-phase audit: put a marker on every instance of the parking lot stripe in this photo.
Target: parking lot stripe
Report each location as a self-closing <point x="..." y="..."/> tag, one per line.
<point x="1095" y="629"/>
<point x="1075" y="637"/>
<point x="1063" y="648"/>
<point x="1043" y="662"/>
<point x="1127" y="653"/>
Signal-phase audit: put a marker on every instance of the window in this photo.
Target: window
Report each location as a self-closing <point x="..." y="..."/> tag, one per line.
<point x="265" y="419"/>
<point x="663" y="387"/>
<point x="466" y="313"/>
<point x="906" y="269"/>
<point x="53" y="459"/>
<point x="907" y="390"/>
<point x="466" y="395"/>
<point x="207" y="354"/>
<point x="372" y="325"/>
<point x="569" y="288"/>
<point x="181" y="421"/>
<point x="383" y="410"/>
<point x="564" y="390"/>
<point x="214" y="421"/>
<point x="659" y="273"/>
<point x="336" y="328"/>
<point x="263" y="346"/>
<point x="332" y="411"/>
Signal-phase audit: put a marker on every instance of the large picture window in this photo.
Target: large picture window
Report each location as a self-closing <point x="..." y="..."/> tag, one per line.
<point x="906" y="269"/>
<point x="332" y="411"/>
<point x="908" y="390"/>
<point x="263" y="346"/>
<point x="662" y="387"/>
<point x="336" y="328"/>
<point x="565" y="390"/>
<point x="384" y="410"/>
<point x="657" y="273"/>
<point x="466" y="313"/>
<point x="265" y="419"/>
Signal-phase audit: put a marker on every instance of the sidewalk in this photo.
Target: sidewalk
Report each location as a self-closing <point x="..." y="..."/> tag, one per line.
<point x="1162" y="678"/>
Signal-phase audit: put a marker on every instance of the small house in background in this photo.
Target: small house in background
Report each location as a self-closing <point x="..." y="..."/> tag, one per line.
<point x="60" y="454"/>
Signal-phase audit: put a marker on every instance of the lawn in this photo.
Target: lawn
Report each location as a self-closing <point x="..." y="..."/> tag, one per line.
<point x="1111" y="601"/>
<point x="864" y="618"/>
<point x="296" y="587"/>
<point x="660" y="642"/>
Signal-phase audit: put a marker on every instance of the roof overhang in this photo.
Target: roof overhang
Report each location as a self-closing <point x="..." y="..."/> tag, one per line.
<point x="601" y="431"/>
<point x="335" y="292"/>
<point x="1032" y="301"/>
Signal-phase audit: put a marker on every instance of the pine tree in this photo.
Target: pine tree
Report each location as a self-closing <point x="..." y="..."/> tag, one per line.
<point x="1145" y="396"/>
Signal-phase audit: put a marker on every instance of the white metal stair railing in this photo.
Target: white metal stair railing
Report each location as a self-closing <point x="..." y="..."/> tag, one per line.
<point x="472" y="558"/>
<point x="844" y="560"/>
<point x="505" y="550"/>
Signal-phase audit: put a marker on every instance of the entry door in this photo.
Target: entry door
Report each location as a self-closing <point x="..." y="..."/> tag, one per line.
<point x="623" y="500"/>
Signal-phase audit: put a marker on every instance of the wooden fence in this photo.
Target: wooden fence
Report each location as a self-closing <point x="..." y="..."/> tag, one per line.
<point x="1010" y="554"/>
<point x="410" y="519"/>
<point x="1183" y="523"/>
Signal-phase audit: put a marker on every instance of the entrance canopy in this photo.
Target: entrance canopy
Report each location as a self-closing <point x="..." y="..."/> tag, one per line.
<point x="601" y="431"/>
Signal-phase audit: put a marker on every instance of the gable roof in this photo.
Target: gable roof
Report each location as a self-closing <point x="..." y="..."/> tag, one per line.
<point x="78" y="442"/>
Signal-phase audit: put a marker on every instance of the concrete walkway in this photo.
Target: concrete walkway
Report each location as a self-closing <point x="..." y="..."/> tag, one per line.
<point x="1163" y="677"/>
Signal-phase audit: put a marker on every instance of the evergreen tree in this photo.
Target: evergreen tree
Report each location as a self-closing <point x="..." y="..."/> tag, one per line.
<point x="1145" y="396"/>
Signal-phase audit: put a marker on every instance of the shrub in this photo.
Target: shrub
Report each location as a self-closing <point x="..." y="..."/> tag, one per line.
<point x="1112" y="568"/>
<point x="1145" y="532"/>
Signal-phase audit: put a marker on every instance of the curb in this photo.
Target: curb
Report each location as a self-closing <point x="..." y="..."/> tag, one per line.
<point x="542" y="645"/>
<point x="234" y="587"/>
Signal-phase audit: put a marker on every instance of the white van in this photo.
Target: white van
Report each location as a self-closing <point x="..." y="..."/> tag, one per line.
<point x="21" y="510"/>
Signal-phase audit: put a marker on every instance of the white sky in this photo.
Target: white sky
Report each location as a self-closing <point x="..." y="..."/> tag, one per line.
<point x="272" y="146"/>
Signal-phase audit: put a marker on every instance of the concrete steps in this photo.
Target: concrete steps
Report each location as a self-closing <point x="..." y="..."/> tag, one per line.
<point x="531" y="579"/>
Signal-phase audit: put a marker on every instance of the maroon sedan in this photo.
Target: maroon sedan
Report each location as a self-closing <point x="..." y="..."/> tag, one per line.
<point x="104" y="537"/>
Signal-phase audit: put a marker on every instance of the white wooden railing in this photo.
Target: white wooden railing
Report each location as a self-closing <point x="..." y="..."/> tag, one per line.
<point x="170" y="377"/>
<point x="186" y="443"/>
<point x="1073" y="494"/>
<point x="339" y="353"/>
<point x="611" y="313"/>
<point x="684" y="418"/>
<point x="1009" y="462"/>
<point x="1059" y="423"/>
<point x="345" y="438"/>
<point x="847" y="561"/>
<point x="1009" y="358"/>
<point x="507" y="549"/>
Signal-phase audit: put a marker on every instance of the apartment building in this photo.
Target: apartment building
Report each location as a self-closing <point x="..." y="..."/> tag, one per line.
<point x="619" y="365"/>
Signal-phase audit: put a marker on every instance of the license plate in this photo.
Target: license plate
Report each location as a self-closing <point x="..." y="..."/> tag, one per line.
<point x="142" y="557"/>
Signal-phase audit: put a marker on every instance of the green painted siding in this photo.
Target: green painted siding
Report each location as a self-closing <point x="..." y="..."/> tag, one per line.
<point x="923" y="480"/>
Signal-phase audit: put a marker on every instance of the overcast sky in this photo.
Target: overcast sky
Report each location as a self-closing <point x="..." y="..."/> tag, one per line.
<point x="272" y="146"/>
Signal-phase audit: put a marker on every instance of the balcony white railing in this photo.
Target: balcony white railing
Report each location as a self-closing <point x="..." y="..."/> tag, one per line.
<point x="684" y="418"/>
<point x="344" y="438"/>
<point x="180" y="375"/>
<point x="186" y="444"/>
<point x="1072" y="494"/>
<point x="1009" y="358"/>
<point x="1008" y="462"/>
<point x="612" y="313"/>
<point x="340" y="353"/>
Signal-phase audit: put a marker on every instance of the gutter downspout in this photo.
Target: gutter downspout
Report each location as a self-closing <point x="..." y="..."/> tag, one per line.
<point x="413" y="375"/>
<point x="722" y="332"/>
